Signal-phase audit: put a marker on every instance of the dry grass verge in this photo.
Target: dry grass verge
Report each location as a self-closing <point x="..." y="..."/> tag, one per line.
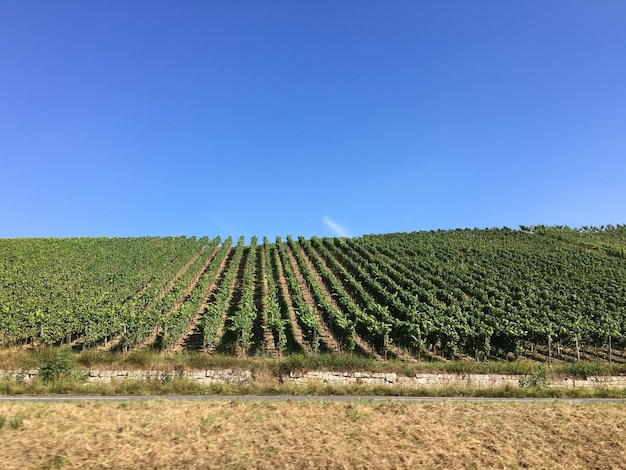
<point x="229" y="434"/>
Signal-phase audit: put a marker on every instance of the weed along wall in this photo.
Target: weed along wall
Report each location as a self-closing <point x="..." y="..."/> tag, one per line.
<point x="390" y="379"/>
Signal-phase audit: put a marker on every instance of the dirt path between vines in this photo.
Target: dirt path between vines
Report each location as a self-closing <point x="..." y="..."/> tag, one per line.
<point x="393" y="349"/>
<point x="115" y="341"/>
<point x="193" y="334"/>
<point x="150" y="283"/>
<point x="168" y="287"/>
<point x="263" y="338"/>
<point x="284" y="290"/>
<point x="229" y="303"/>
<point x="181" y="298"/>
<point x="361" y="343"/>
<point x="326" y="336"/>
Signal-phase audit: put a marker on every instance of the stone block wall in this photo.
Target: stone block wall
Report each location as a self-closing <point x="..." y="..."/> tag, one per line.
<point x="391" y="379"/>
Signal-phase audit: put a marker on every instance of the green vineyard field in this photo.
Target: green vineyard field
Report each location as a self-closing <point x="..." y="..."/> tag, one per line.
<point x="547" y="293"/>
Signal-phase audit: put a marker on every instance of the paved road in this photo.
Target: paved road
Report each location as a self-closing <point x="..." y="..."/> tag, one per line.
<point x="326" y="398"/>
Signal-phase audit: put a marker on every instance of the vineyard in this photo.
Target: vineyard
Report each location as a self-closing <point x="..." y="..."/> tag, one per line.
<point x="547" y="293"/>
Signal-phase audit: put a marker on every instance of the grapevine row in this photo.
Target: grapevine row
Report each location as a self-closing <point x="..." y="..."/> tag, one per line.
<point x="242" y="320"/>
<point x="275" y="321"/>
<point x="213" y="319"/>
<point x="306" y="317"/>
<point x="175" y="324"/>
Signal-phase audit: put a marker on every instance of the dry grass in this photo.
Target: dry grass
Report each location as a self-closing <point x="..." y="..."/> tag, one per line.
<point x="185" y="434"/>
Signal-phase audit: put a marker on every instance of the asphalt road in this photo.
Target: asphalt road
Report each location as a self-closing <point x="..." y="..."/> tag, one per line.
<point x="283" y="398"/>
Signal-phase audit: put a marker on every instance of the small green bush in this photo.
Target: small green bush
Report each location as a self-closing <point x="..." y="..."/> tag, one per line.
<point x="538" y="379"/>
<point x="61" y="365"/>
<point x="586" y="369"/>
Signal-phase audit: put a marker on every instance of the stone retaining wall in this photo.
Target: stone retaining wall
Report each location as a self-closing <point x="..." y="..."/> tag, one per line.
<point x="206" y="377"/>
<point x="442" y="379"/>
<point x="222" y="376"/>
<point x="391" y="379"/>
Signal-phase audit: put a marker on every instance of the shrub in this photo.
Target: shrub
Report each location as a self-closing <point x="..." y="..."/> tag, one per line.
<point x="61" y="365"/>
<point x="536" y="380"/>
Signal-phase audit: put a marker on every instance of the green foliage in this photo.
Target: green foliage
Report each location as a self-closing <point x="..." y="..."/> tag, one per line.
<point x="162" y="310"/>
<point x="53" y="291"/>
<point x="557" y="291"/>
<point x="275" y="321"/>
<point x="305" y="314"/>
<point x="61" y="365"/>
<point x="176" y="321"/>
<point x="342" y="328"/>
<point x="538" y="379"/>
<point x="242" y="320"/>
<point x="213" y="318"/>
<point x="586" y="369"/>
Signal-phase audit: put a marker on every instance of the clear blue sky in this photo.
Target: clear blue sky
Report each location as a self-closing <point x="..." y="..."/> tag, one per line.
<point x="133" y="118"/>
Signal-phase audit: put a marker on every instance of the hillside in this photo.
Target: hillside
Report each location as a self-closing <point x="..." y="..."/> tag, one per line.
<point x="550" y="293"/>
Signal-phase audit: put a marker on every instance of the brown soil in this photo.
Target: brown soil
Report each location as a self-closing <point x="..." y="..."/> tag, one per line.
<point x="181" y="298"/>
<point x="190" y="339"/>
<point x="141" y="291"/>
<point x="364" y="345"/>
<point x="395" y="351"/>
<point x="284" y="291"/>
<point x="149" y="284"/>
<point x="194" y="435"/>
<point x="263" y="338"/>
<point x="114" y="342"/>
<point x="227" y="342"/>
<point x="168" y="287"/>
<point x="326" y="336"/>
<point x="229" y="304"/>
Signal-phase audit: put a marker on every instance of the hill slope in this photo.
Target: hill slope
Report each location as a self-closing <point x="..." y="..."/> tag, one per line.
<point x="547" y="292"/>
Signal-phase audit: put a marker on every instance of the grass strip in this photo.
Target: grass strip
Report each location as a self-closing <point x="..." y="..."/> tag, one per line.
<point x="25" y="359"/>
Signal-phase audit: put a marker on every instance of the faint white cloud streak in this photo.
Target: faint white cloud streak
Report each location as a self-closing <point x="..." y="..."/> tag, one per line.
<point x="335" y="227"/>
